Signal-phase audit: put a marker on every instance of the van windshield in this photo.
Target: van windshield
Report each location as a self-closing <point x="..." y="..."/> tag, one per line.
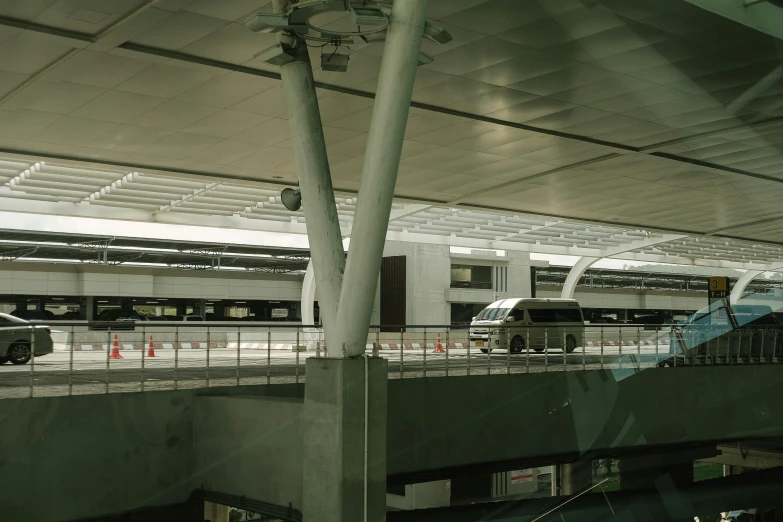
<point x="492" y="314"/>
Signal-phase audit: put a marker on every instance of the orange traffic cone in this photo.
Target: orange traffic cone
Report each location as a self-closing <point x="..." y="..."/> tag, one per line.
<point x="439" y="346"/>
<point x="151" y="351"/>
<point x="115" y="349"/>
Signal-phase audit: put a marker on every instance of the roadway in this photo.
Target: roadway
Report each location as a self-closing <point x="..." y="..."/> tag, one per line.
<point x="64" y="373"/>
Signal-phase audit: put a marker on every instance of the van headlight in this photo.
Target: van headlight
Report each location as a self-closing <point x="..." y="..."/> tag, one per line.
<point x="495" y="332"/>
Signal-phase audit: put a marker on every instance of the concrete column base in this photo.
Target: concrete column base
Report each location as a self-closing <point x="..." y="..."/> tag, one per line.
<point x="576" y="477"/>
<point x="334" y="434"/>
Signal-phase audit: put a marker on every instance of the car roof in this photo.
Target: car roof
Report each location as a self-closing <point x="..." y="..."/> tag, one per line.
<point x="13" y="318"/>
<point x="511" y="303"/>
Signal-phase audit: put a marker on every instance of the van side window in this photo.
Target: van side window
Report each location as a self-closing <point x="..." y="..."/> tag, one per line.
<point x="517" y="314"/>
<point x="542" y="315"/>
<point x="568" y="315"/>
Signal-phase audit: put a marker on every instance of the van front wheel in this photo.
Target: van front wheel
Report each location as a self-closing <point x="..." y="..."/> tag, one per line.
<point x="517" y="344"/>
<point x="570" y="344"/>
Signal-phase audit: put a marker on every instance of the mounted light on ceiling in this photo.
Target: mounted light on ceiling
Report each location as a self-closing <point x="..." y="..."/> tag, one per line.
<point x="291" y="199"/>
<point x="368" y="15"/>
<point x="335" y="59"/>
<point x="436" y="33"/>
<point x="267" y="22"/>
<point x="373" y="37"/>
<point x="425" y="58"/>
<point x="301" y="23"/>
<point x="280" y="53"/>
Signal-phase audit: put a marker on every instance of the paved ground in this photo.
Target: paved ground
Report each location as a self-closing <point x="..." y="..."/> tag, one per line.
<point x="64" y="373"/>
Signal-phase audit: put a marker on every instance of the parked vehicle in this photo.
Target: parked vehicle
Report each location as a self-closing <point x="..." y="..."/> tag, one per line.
<point x="542" y="323"/>
<point x="726" y="333"/>
<point x="33" y="315"/>
<point x="122" y="319"/>
<point x="184" y="318"/>
<point x="17" y="336"/>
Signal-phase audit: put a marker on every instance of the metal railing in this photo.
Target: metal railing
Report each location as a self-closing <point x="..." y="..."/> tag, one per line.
<point x="197" y="355"/>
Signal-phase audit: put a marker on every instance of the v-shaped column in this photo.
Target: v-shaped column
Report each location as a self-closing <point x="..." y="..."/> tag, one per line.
<point x="315" y="184"/>
<point x="346" y="301"/>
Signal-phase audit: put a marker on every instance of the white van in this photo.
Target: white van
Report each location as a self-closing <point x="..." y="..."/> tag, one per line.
<point x="542" y="323"/>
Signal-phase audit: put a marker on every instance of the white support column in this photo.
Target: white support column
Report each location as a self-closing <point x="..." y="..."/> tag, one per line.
<point x="575" y="274"/>
<point x="311" y="336"/>
<point x="741" y="284"/>
<point x="586" y="262"/>
<point x="381" y="163"/>
<point x="315" y="183"/>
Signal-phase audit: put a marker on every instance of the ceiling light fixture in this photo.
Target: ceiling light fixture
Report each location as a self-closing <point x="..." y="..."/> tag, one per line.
<point x="291" y="199"/>
<point x="335" y="60"/>
<point x="368" y="15"/>
<point x="436" y="33"/>
<point x="268" y="22"/>
<point x="297" y="23"/>
<point x="280" y="53"/>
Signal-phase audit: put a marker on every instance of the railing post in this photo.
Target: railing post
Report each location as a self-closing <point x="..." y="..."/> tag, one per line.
<point x="32" y="359"/>
<point x="565" y="352"/>
<point x="269" y="355"/>
<point x="584" y="342"/>
<point x="508" y="351"/>
<point x="424" y="355"/>
<point x="108" y="352"/>
<point x="639" y="347"/>
<point x="620" y="330"/>
<point x="467" y="359"/>
<point x="143" y="346"/>
<point x="489" y="354"/>
<point x="602" y="347"/>
<point x="774" y="346"/>
<point x="402" y="349"/>
<point x="208" y="360"/>
<point x="527" y="350"/>
<point x="297" y="355"/>
<point x="657" y="338"/>
<point x="176" y="357"/>
<point x="448" y="337"/>
<point x="239" y="354"/>
<point x="70" y="364"/>
<point x="546" y="349"/>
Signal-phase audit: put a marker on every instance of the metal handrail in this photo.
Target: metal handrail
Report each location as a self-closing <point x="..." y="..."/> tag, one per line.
<point x="229" y="354"/>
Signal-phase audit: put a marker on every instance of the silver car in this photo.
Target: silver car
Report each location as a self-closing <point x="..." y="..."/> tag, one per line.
<point x="16" y="338"/>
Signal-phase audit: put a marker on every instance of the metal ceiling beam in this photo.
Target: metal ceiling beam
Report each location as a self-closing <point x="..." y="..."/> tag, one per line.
<point x="189" y="197"/>
<point x="76" y="37"/>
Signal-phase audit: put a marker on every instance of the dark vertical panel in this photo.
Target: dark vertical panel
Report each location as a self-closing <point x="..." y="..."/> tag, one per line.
<point x="393" y="283"/>
<point x="532" y="281"/>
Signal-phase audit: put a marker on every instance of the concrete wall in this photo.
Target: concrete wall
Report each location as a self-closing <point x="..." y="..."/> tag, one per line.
<point x="92" y="280"/>
<point x="467" y="421"/>
<point x="68" y="458"/>
<point x="250" y="446"/>
<point x="428" y="276"/>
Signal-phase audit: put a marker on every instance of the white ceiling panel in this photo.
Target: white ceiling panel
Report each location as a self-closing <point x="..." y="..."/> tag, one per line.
<point x="174" y="115"/>
<point x="632" y="73"/>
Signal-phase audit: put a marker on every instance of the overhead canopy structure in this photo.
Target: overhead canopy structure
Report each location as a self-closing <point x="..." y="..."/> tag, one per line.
<point x="117" y="250"/>
<point x="643" y="130"/>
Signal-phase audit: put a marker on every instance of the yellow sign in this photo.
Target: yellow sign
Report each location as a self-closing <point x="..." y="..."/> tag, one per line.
<point x="719" y="284"/>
